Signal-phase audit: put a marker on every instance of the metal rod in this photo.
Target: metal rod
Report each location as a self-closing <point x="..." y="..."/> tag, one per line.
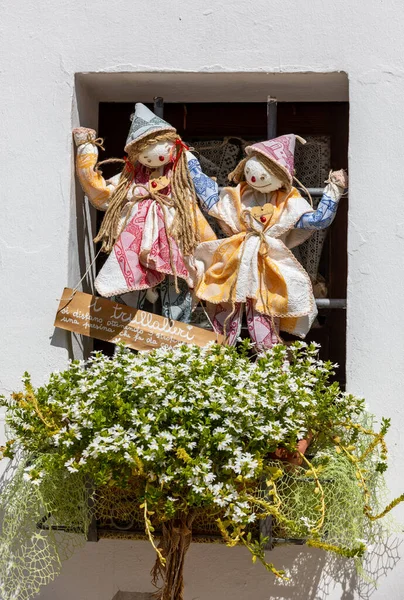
<point x="272" y="113"/>
<point x="266" y="531"/>
<point x="158" y="106"/>
<point x="42" y="524"/>
<point x="313" y="191"/>
<point x="331" y="303"/>
<point x="213" y="538"/>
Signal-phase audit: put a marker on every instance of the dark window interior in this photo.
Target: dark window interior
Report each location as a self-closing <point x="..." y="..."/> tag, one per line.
<point x="215" y="121"/>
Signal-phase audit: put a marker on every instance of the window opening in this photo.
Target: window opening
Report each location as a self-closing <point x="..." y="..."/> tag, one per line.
<point x="219" y="131"/>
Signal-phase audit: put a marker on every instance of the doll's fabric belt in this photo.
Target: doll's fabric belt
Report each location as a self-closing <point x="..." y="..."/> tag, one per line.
<point x="161" y="199"/>
<point x="252" y="231"/>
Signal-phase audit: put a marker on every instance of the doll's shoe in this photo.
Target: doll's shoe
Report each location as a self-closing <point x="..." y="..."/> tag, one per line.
<point x="152" y="295"/>
<point x="83" y="134"/>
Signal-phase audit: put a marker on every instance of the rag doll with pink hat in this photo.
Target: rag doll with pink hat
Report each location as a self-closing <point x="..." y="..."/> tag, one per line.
<point x="253" y="268"/>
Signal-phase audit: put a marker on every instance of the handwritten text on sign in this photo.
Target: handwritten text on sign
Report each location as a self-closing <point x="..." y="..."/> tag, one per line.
<point x="112" y="322"/>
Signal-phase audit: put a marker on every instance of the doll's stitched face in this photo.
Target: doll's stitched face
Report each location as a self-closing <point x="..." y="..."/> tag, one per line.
<point x="259" y="177"/>
<point x="157" y="154"/>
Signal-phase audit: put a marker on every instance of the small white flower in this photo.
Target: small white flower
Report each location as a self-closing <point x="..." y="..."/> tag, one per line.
<point x="71" y="465"/>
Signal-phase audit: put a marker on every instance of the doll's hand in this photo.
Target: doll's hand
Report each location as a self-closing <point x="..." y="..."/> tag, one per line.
<point x="83" y="134"/>
<point x="339" y="178"/>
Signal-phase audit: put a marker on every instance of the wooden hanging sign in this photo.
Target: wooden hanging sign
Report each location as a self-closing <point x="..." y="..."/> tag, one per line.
<point x="102" y="319"/>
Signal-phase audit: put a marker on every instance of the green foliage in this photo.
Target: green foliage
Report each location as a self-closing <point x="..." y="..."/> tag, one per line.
<point x="194" y="428"/>
<point x="191" y="422"/>
<point x="32" y="547"/>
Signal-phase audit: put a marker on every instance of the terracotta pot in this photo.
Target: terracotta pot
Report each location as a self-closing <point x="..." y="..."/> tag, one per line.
<point x="293" y="458"/>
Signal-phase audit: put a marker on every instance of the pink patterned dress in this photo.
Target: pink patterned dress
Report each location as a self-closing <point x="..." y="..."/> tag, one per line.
<point x="144" y="252"/>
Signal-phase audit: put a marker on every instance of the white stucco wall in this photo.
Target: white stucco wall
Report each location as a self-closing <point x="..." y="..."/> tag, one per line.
<point x="44" y="43"/>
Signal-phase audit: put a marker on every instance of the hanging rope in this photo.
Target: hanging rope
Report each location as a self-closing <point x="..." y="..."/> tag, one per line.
<point x="205" y="312"/>
<point x="76" y="287"/>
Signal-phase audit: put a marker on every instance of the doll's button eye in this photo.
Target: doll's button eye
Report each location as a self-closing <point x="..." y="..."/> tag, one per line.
<point x="154" y="184"/>
<point x="161" y="158"/>
<point x="263" y="219"/>
<point x="253" y="179"/>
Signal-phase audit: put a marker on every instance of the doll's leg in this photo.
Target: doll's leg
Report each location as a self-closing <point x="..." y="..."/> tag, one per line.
<point x="174" y="305"/>
<point x="134" y="299"/>
<point x="224" y="315"/>
<point x="262" y="329"/>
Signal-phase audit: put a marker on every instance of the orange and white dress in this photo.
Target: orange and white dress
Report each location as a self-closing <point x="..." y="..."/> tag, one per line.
<point x="255" y="262"/>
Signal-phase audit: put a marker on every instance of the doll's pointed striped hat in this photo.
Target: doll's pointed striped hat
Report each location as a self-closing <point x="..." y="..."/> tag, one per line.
<point x="145" y="123"/>
<point x="280" y="151"/>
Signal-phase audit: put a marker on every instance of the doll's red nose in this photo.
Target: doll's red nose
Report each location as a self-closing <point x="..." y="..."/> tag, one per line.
<point x="161" y="158"/>
<point x="253" y="179"/>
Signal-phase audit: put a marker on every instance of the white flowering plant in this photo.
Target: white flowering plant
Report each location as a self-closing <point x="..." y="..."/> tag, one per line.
<point x="194" y="429"/>
<point x="189" y="420"/>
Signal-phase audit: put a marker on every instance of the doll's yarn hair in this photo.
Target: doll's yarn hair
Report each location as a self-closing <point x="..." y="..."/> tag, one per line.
<point x="238" y="174"/>
<point x="185" y="225"/>
<point x="110" y="226"/>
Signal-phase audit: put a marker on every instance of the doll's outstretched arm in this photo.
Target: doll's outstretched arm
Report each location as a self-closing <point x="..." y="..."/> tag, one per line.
<point x="327" y="208"/>
<point x="206" y="189"/>
<point x="94" y="185"/>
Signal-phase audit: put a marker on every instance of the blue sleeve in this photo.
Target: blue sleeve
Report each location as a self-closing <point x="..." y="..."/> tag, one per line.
<point x="206" y="189"/>
<point x="322" y="217"/>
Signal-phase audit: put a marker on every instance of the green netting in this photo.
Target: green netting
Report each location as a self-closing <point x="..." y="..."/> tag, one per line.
<point x="301" y="504"/>
<point x="180" y="442"/>
<point x="32" y="547"/>
<point x="43" y="524"/>
<point x="334" y="512"/>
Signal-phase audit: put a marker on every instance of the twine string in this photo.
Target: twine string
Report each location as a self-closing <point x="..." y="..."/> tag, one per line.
<point x="76" y="287"/>
<point x="108" y="161"/>
<point x="205" y="312"/>
<point x="333" y="184"/>
<point x="96" y="142"/>
<point x="305" y="189"/>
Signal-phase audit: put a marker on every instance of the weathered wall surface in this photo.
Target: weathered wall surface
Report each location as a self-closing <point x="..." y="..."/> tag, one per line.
<point x="43" y="45"/>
